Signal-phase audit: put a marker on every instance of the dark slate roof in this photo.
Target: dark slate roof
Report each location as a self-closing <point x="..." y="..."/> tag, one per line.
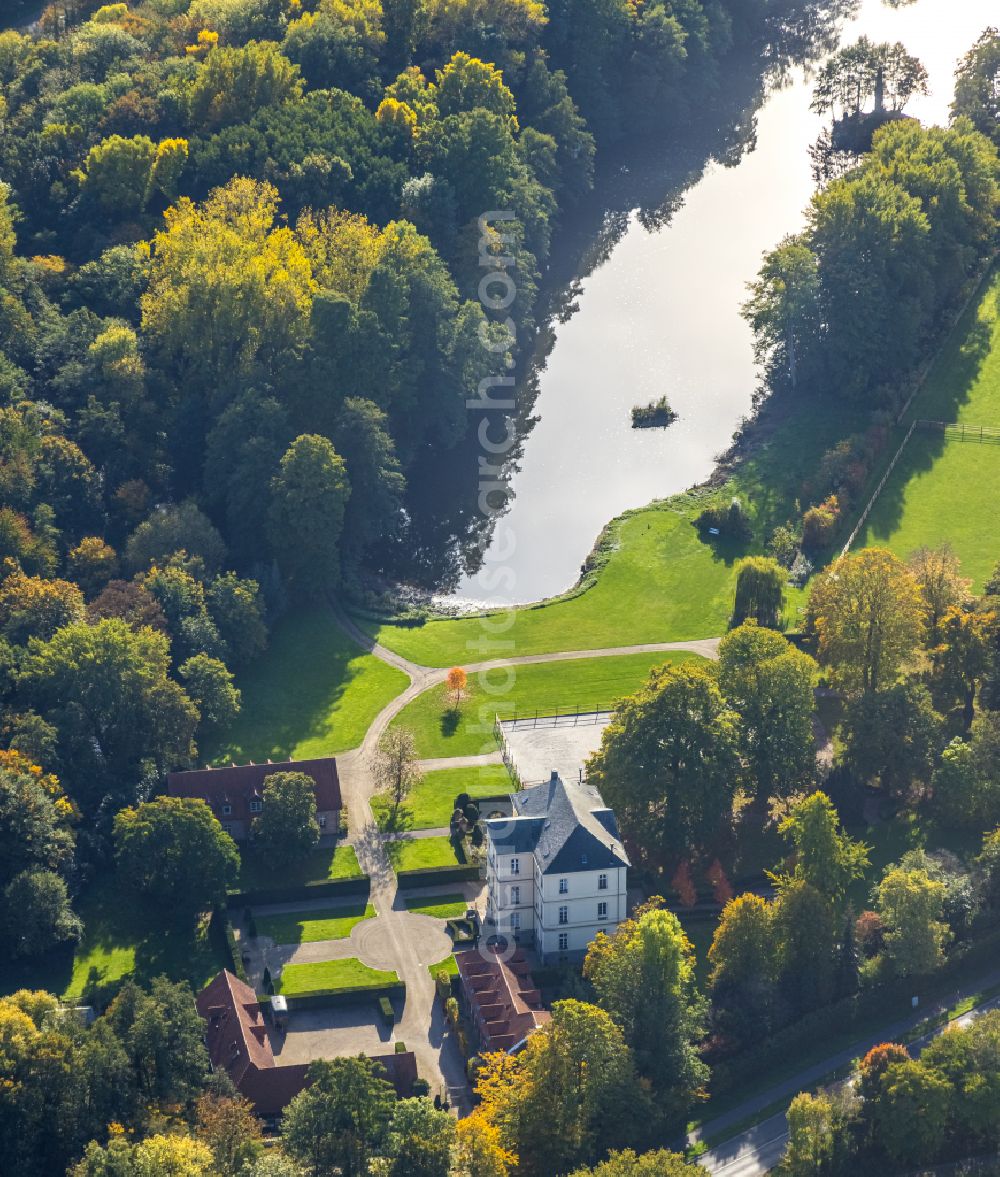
<point x="569" y="826"/>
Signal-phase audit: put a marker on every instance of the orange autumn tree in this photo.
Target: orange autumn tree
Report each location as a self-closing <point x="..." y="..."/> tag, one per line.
<point x="684" y="886"/>
<point x="457" y="680"/>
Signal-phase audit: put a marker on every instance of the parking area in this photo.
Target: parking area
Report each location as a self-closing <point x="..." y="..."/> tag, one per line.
<point x="556" y="743"/>
<point x="332" y="1033"/>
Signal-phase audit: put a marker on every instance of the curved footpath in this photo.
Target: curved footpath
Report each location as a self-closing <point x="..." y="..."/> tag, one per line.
<point x="404" y="942"/>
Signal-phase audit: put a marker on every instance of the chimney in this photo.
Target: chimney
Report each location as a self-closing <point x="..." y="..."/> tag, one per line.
<point x="554" y="777"/>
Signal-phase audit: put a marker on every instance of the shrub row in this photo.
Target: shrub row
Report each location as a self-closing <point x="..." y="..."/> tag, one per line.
<point x="334" y="998"/>
<point x="222" y="923"/>
<point x="429" y="876"/>
<point x="334" y="888"/>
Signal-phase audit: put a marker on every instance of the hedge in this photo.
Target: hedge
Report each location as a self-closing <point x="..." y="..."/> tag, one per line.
<point x="430" y="876"/>
<point x="323" y="888"/>
<point x="890" y="999"/>
<point x="334" y="998"/>
<point x="221" y="917"/>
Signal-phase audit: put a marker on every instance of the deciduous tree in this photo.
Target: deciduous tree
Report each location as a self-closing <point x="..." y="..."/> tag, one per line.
<point x="175" y="853"/>
<point x="668" y="762"/>
<point x="287" y="826"/>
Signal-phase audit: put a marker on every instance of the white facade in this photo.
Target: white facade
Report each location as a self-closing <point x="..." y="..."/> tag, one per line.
<point x="557" y="882"/>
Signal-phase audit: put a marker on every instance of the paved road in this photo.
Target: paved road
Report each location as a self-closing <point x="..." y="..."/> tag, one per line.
<point x="756" y="1151"/>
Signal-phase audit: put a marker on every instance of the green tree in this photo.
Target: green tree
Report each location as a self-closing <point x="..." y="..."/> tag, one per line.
<point x="570" y="1095"/>
<point x="420" y="1140"/>
<point x="172" y="529"/>
<point x="668" y="762"/>
<point x="177" y="1155"/>
<point x="234" y="82"/>
<point x="163" y="1036"/>
<point x="806" y="932"/>
<point x="824" y="856"/>
<point x="236" y="607"/>
<point x="819" y="1140"/>
<point x="287" y="827"/>
<point x="342" y="1118"/>
<point x="743" y="959"/>
<point x="374" y="508"/>
<point x="36" y="913"/>
<point x="867" y="614"/>
<point x="770" y="684"/>
<point x="648" y="1164"/>
<point x="892" y="736"/>
<point x="174" y="852"/>
<point x="912" y="1113"/>
<point x="36" y="819"/>
<point x="117" y="174"/>
<point x="977" y="91"/>
<point x="306" y="514"/>
<point x="966" y="1057"/>
<point x="783" y="312"/>
<point x="643" y="976"/>
<point x="211" y="688"/>
<point x="911" y="905"/>
<point x="962" y="656"/>
<point x="242" y="452"/>
<point x="121" y="721"/>
<point x="760" y="591"/>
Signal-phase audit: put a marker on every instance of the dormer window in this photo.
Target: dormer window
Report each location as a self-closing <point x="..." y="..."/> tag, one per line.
<point x="227" y="810"/>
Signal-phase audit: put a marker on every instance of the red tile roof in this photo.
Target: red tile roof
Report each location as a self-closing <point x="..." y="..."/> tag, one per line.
<point x="237" y="1041"/>
<point x="502" y="995"/>
<point x="238" y="784"/>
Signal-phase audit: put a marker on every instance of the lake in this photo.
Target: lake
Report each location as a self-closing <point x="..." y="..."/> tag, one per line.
<point x="654" y="309"/>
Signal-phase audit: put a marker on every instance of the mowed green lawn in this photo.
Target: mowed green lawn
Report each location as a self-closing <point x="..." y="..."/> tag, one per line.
<point x="318" y="866"/>
<point x="945" y="489"/>
<point x="942" y="491"/>
<point x="308" y="927"/>
<point x="432" y="801"/>
<point x="421" y="853"/>
<point x="585" y="683"/>
<point x="660" y="583"/>
<point x="122" y="938"/>
<point x="322" y="976"/>
<point x="441" y="907"/>
<point x="312" y="693"/>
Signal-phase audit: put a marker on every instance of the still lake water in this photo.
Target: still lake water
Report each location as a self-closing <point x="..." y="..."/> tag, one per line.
<point x="660" y="315"/>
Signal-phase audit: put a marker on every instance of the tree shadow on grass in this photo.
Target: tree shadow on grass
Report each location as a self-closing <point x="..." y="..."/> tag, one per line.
<point x="450" y="719"/>
<point x="396" y="819"/>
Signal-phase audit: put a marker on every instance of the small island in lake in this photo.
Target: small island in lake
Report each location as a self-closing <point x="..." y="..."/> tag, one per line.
<point x="657" y="414"/>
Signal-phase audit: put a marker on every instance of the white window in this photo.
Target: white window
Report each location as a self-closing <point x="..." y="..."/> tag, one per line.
<point x="564" y="886"/>
<point x="515" y="921"/>
<point x="602" y="882"/>
<point x="564" y="915"/>
<point x="515" y="895"/>
<point x="602" y="911"/>
<point x="563" y="941"/>
<point x="227" y="828"/>
<point x="227" y="810"/>
<point x="256" y="806"/>
<point x="515" y="866"/>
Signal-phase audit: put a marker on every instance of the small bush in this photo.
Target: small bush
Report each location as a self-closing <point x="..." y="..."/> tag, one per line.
<point x="420" y="1088"/>
<point x="388" y="1014"/>
<point x="400" y="1048"/>
<point x="819" y="524"/>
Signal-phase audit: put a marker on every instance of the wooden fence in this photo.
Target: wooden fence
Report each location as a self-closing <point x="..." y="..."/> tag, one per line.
<point x="962" y="432"/>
